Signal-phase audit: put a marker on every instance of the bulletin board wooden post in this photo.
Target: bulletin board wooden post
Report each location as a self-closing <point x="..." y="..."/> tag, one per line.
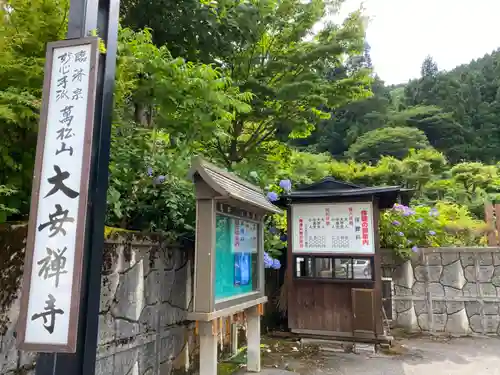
<point x="229" y="259"/>
<point x="333" y="259"/>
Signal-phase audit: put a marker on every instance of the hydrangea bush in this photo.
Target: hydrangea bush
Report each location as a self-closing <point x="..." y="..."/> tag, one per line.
<point x="406" y="229"/>
<point x="275" y="235"/>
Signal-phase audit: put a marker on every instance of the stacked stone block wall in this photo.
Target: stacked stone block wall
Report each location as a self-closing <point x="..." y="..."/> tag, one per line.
<point x="145" y="295"/>
<point x="451" y="290"/>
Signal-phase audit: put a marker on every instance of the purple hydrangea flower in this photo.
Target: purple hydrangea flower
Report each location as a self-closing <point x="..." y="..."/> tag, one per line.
<point x="273" y="230"/>
<point x="408" y="212"/>
<point x="401" y="234"/>
<point x="395" y="222"/>
<point x="419" y="220"/>
<point x="405" y="210"/>
<point x="159" y="180"/>
<point x="268" y="261"/>
<point x="276" y="264"/>
<point x="433" y="212"/>
<point x="286" y="185"/>
<point x="414" y="249"/>
<point x="150" y="171"/>
<point x="432" y="233"/>
<point x="272" y="196"/>
<point x="284" y="237"/>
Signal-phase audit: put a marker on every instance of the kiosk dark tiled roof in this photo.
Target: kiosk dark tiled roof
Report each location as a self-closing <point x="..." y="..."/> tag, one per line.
<point x="330" y="188"/>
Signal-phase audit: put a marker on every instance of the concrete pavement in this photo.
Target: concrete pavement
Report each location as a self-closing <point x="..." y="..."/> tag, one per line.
<point x="421" y="356"/>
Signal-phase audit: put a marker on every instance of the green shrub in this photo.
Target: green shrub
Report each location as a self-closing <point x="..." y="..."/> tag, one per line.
<point x="404" y="229"/>
<point x="5" y="209"/>
<point x="148" y="185"/>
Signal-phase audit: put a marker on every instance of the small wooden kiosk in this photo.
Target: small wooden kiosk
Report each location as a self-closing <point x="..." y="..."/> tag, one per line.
<point x="229" y="259"/>
<point x="333" y="262"/>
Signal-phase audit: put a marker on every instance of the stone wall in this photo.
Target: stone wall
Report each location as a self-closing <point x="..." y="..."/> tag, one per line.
<point x="12" y="242"/>
<point x="145" y="296"/>
<point x="452" y="290"/>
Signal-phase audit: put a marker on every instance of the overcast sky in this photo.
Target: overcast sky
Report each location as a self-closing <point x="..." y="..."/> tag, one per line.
<point x="402" y="32"/>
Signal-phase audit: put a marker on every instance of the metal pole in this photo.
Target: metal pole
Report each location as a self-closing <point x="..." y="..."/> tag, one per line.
<point x="86" y="16"/>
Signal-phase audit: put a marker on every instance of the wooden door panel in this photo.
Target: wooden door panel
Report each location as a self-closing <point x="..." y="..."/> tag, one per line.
<point x="363" y="310"/>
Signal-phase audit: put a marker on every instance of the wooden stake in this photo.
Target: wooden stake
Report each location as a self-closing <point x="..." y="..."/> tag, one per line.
<point x="260" y="309"/>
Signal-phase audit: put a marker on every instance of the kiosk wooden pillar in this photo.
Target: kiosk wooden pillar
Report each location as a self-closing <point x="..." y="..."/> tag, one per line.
<point x="333" y="265"/>
<point x="229" y="259"/>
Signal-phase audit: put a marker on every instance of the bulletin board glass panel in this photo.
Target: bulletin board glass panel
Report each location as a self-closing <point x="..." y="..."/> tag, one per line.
<point x="337" y="268"/>
<point x="342" y="228"/>
<point x="236" y="257"/>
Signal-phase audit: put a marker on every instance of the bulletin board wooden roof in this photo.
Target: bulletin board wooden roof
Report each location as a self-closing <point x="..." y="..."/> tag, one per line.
<point x="229" y="185"/>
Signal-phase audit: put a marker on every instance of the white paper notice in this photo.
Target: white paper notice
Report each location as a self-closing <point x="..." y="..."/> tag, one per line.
<point x="344" y="228"/>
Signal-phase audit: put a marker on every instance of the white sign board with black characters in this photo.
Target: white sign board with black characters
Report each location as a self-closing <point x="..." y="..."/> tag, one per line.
<point x="54" y="254"/>
<point x="342" y="228"/>
<point x="245" y="236"/>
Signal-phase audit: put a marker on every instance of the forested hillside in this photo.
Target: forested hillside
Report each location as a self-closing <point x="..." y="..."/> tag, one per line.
<point x="457" y="111"/>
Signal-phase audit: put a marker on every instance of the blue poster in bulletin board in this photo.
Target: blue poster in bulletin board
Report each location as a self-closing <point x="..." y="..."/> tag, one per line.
<point x="234" y="249"/>
<point x="242" y="265"/>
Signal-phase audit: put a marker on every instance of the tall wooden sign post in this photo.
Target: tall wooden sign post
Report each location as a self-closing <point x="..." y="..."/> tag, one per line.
<point x="62" y="275"/>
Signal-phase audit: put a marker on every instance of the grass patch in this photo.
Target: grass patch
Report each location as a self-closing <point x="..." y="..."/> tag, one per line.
<point x="227" y="368"/>
<point x="395" y="349"/>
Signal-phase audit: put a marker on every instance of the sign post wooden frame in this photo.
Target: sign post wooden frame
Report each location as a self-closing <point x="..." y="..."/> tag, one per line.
<point x="86" y="17"/>
<point x="70" y="278"/>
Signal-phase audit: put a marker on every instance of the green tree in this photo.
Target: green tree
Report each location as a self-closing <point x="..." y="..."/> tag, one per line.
<point x="469" y="94"/>
<point x="429" y="68"/>
<point x="198" y="31"/>
<point x="165" y="108"/>
<point x="24" y="31"/>
<point x="191" y="101"/>
<point x="396" y="142"/>
<point x="473" y="176"/>
<point x="350" y="121"/>
<point x="442" y="130"/>
<point x="420" y="167"/>
<point x="290" y="77"/>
